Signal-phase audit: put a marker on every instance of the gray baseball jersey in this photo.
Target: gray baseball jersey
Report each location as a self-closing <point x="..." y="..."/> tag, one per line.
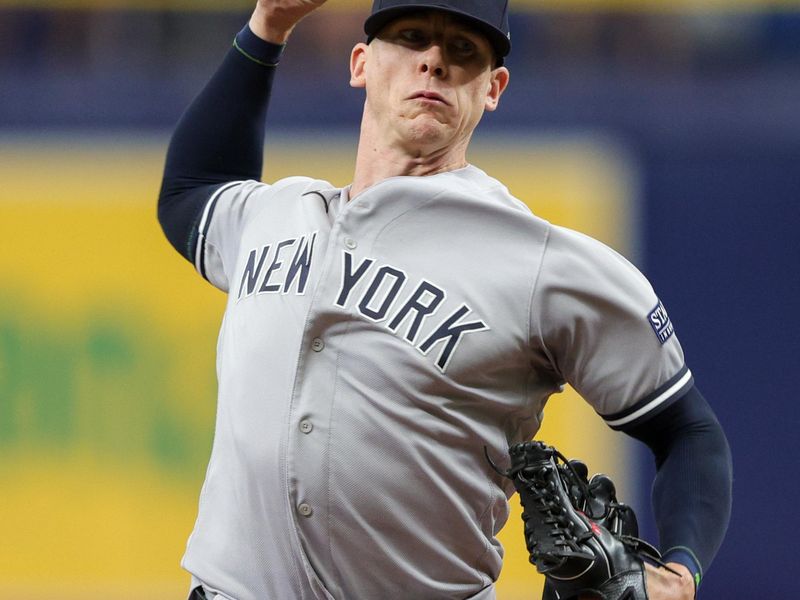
<point x="370" y="349"/>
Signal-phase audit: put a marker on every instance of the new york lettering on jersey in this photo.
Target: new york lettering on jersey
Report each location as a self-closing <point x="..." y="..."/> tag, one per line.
<point x="378" y="302"/>
<point x="383" y="294"/>
<point x="274" y="268"/>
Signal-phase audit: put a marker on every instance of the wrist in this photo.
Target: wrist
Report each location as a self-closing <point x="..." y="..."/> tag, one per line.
<point x="684" y="557"/>
<point x="256" y="49"/>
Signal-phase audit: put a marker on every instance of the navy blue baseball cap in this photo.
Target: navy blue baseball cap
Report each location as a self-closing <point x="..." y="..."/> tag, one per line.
<point x="488" y="16"/>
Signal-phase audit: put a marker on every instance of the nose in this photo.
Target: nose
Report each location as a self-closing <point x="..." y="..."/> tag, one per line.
<point x="432" y="61"/>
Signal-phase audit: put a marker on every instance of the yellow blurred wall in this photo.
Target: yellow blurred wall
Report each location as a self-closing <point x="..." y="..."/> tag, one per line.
<point x="107" y="342"/>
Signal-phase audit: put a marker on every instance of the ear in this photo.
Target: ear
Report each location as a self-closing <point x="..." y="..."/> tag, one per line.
<point x="498" y="83"/>
<point x="358" y="60"/>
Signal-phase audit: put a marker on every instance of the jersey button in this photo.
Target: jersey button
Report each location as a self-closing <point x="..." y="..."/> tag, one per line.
<point x="350" y="243"/>
<point x="317" y="345"/>
<point x="306" y="426"/>
<point x="305" y="510"/>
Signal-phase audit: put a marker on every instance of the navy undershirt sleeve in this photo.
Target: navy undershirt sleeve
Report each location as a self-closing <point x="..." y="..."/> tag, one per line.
<point x="692" y="488"/>
<point x="220" y="137"/>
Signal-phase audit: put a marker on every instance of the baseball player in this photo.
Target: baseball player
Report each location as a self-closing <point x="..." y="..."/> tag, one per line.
<point x="378" y="337"/>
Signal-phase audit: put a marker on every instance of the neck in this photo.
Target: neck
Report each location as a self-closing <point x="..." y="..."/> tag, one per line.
<point x="378" y="159"/>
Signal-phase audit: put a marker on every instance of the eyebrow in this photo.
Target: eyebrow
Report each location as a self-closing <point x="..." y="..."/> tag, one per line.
<point x="475" y="34"/>
<point x="424" y="16"/>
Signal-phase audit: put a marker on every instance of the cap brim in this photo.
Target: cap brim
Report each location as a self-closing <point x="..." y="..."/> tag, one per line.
<point x="378" y="20"/>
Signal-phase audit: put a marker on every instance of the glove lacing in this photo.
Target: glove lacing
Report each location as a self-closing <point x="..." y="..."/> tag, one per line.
<point x="542" y="497"/>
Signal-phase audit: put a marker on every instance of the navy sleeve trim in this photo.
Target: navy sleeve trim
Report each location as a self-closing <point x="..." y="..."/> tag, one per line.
<point x="684" y="556"/>
<point x="259" y="51"/>
<point x="202" y="228"/>
<point x="653" y="403"/>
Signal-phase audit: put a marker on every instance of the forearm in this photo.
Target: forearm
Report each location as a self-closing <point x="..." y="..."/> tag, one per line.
<point x="692" y="494"/>
<point x="221" y="134"/>
<point x="220" y="137"/>
<point x="692" y="489"/>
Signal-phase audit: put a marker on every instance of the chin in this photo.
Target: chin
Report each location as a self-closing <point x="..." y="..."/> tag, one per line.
<point x="427" y="132"/>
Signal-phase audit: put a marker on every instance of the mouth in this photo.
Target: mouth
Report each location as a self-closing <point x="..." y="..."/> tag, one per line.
<point x="429" y="96"/>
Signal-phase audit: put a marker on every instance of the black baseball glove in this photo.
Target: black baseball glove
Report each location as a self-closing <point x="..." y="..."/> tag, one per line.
<point x="579" y="537"/>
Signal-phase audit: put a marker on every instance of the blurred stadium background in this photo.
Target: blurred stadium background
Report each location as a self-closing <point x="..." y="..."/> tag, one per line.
<point x="671" y="130"/>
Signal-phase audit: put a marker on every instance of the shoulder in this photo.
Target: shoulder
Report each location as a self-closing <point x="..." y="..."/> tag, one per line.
<point x="574" y="249"/>
<point x="296" y="185"/>
<point x="579" y="271"/>
<point x="253" y="196"/>
<point x="475" y="180"/>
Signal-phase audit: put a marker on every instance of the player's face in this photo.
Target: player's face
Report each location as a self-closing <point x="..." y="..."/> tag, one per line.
<point x="429" y="76"/>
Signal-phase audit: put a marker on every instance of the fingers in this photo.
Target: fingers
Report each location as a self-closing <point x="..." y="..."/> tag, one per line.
<point x="274" y="20"/>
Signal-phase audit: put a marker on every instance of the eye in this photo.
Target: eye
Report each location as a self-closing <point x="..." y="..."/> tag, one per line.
<point x="412" y="36"/>
<point x="464" y="46"/>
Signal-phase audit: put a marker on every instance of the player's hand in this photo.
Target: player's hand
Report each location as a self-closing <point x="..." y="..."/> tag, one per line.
<point x="273" y="20"/>
<point x="663" y="585"/>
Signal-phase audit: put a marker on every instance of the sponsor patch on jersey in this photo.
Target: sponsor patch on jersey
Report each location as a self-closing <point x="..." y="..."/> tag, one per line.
<point x="659" y="321"/>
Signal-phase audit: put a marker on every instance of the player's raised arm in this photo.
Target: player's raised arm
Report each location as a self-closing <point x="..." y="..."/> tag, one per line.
<point x="220" y="137"/>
